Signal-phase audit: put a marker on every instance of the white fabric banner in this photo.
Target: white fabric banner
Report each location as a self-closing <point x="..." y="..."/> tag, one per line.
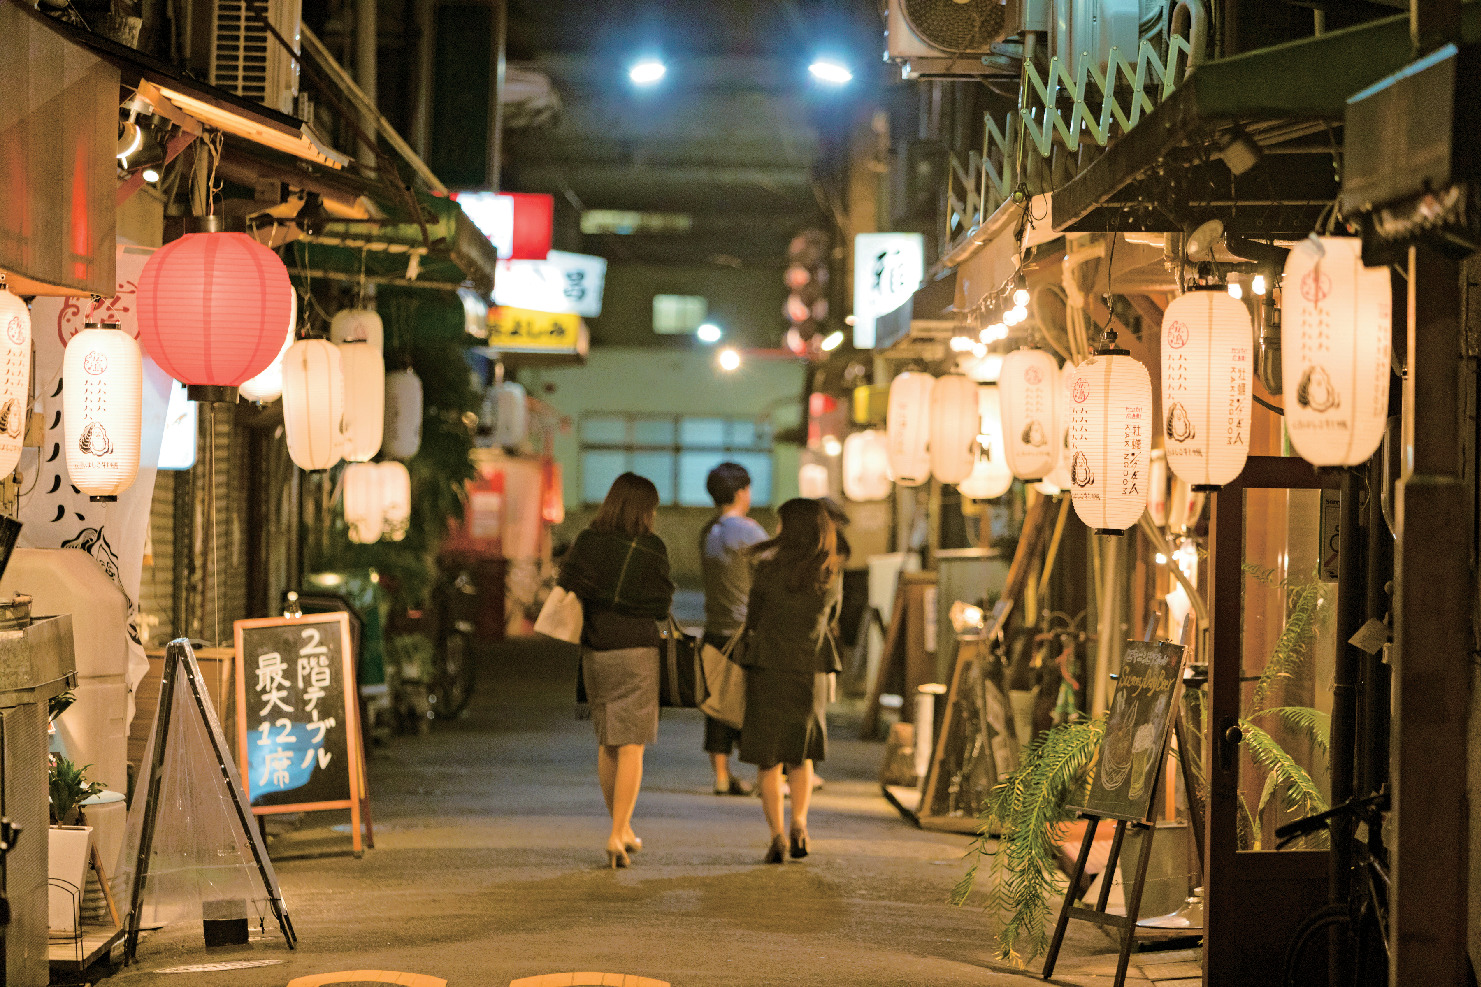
<point x="54" y="513"/>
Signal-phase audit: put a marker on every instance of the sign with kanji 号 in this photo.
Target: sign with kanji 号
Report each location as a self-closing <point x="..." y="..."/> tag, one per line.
<point x="298" y="733"/>
<point x="523" y="330"/>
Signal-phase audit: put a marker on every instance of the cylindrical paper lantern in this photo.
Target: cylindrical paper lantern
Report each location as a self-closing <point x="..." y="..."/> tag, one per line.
<point x="213" y="311"/>
<point x="955" y="424"/>
<point x="1110" y="439"/>
<point x="908" y="428"/>
<point x="102" y="401"/>
<point x="990" y="476"/>
<point x="866" y="466"/>
<point x="1336" y="324"/>
<point x="1157" y="492"/>
<point x="403" y="432"/>
<point x="15" y="377"/>
<point x="1207" y="371"/>
<point x="395" y="499"/>
<point x="365" y="400"/>
<point x="1028" y="384"/>
<point x="267" y="386"/>
<point x="358" y="325"/>
<point x="313" y="403"/>
<point x="1058" y="478"/>
<point x="812" y="481"/>
<point x="364" y="506"/>
<point x="511" y="414"/>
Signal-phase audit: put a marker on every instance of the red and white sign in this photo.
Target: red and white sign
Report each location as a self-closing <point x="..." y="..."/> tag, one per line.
<point x="518" y="223"/>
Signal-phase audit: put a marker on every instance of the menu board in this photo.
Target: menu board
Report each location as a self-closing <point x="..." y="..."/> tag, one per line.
<point x="298" y="737"/>
<point x="1125" y="769"/>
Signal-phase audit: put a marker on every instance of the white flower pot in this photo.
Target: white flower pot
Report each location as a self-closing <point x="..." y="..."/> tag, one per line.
<point x="67" y="873"/>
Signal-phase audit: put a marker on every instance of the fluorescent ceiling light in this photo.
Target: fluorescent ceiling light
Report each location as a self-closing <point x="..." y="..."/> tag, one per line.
<point x="647" y="72"/>
<point x="831" y="72"/>
<point x="708" y="333"/>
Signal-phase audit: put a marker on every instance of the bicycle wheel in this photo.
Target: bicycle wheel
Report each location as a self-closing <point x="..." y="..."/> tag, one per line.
<point x="1307" y="955"/>
<point x="452" y="685"/>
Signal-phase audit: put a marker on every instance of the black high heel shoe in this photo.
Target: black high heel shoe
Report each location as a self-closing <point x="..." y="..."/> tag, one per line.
<point x="798" y="844"/>
<point x="777" y="852"/>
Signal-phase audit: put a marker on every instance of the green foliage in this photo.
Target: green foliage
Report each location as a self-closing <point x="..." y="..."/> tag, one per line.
<point x="1293" y="648"/>
<point x="1029" y="808"/>
<point x="68" y="787"/>
<point x="424" y="331"/>
<point x="1312" y="722"/>
<point x="411" y="656"/>
<point x="1300" y="795"/>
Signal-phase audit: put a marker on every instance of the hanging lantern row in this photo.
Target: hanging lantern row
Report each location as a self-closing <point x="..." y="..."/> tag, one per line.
<point x="377" y="501"/>
<point x="1110" y="440"/>
<point x="1028" y="381"/>
<point x="102" y="404"/>
<point x="403" y="425"/>
<point x="313" y="403"/>
<point x="365" y="400"/>
<point x="15" y="377"/>
<point x="866" y="466"/>
<point x="1207" y="376"/>
<point x="267" y="386"/>
<point x="955" y="423"/>
<point x="990" y="476"/>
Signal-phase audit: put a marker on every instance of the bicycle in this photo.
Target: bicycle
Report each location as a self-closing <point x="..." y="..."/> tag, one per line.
<point x="1361" y="923"/>
<point x="454" y="671"/>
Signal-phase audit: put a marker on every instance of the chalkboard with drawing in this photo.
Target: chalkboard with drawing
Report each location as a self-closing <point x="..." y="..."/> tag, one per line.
<point x="1125" y="769"/>
<point x="298" y="735"/>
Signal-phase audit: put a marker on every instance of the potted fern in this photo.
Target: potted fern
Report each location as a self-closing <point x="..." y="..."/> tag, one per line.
<point x="67" y="842"/>
<point x="1029" y="807"/>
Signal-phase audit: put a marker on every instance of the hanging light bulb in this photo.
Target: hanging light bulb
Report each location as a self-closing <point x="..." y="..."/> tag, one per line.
<point x="1257" y="285"/>
<point x="1236" y="290"/>
<point x="1020" y="291"/>
<point x="908" y="424"/>
<point x="1110" y="439"/>
<point x="955" y="422"/>
<point x="15" y="376"/>
<point x="1027" y="386"/>
<point x="103" y="398"/>
<point x="1019" y="313"/>
<point x="1336" y="316"/>
<point x="1207" y="373"/>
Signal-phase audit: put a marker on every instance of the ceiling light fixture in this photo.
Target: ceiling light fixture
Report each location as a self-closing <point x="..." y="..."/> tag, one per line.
<point x="708" y="333"/>
<point x="832" y="72"/>
<point x="647" y="71"/>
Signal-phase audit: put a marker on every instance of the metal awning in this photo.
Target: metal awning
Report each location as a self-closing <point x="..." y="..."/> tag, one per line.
<point x="1273" y="115"/>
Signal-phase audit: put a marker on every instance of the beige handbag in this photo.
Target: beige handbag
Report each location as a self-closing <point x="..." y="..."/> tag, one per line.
<point x="726" y="682"/>
<point x="561" y="617"/>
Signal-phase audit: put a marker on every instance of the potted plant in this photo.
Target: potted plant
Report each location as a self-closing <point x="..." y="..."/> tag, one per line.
<point x="68" y="842"/>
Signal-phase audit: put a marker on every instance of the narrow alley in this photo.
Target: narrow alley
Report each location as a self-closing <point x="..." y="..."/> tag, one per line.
<point x="488" y="867"/>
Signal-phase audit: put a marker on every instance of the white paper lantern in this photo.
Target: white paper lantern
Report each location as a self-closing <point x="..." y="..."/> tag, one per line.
<point x="102" y="401"/>
<point x="908" y="428"/>
<point x="1028" y="383"/>
<point x="267" y="386"/>
<point x="15" y="378"/>
<point x="1337" y="326"/>
<point x="511" y="414"/>
<point x="403" y="433"/>
<point x="990" y="476"/>
<point x="364" y="507"/>
<point x="1207" y="372"/>
<point x="365" y="400"/>
<point x="812" y="481"/>
<point x="358" y="325"/>
<point x="1157" y="492"/>
<point x="395" y="499"/>
<point x="1110" y="440"/>
<point x="955" y="423"/>
<point x="1058" y="478"/>
<point x="866" y="466"/>
<point x="313" y="403"/>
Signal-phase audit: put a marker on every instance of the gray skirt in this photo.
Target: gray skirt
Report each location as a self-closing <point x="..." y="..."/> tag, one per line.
<point x="622" y="687"/>
<point x="786" y="718"/>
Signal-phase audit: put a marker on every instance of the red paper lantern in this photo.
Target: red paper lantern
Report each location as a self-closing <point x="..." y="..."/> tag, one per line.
<point x="213" y="311"/>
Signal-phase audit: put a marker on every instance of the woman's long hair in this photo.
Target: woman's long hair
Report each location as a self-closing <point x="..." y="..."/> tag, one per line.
<point x="806" y="547"/>
<point x="630" y="507"/>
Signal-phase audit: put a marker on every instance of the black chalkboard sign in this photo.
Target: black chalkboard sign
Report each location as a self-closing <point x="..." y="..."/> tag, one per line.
<point x="1135" y="740"/>
<point x="298" y="730"/>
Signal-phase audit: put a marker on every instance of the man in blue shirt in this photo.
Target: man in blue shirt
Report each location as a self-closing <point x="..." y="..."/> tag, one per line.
<point x="726" y="561"/>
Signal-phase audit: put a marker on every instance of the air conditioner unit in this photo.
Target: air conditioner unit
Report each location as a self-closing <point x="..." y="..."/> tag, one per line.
<point x="246" y="59"/>
<point x="944" y="39"/>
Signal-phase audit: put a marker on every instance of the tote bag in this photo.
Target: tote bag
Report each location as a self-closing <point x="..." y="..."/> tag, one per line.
<point x="561" y="617"/>
<point x="680" y="679"/>
<point x="725" y="680"/>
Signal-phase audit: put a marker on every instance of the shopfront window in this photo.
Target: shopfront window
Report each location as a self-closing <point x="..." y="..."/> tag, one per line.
<point x="675" y="452"/>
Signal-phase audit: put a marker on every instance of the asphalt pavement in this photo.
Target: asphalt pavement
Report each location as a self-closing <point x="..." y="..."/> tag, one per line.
<point x="488" y="866"/>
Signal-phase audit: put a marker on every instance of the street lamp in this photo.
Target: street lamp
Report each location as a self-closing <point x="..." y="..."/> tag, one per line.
<point x="647" y="71"/>
<point x="833" y="72"/>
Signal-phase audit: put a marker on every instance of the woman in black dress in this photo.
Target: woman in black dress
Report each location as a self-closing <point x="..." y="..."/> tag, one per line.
<point x="795" y="594"/>
<point x="620" y="570"/>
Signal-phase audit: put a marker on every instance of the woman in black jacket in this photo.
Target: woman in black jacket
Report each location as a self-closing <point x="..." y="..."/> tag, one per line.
<point x="620" y="570"/>
<point x="795" y="593"/>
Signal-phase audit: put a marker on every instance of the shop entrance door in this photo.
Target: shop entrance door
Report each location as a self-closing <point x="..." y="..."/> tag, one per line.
<point x="1273" y="544"/>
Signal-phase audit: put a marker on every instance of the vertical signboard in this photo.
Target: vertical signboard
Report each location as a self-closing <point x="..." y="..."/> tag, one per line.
<point x="888" y="267"/>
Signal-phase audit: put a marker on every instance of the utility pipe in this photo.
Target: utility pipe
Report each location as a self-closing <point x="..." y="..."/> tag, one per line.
<point x="366" y="34"/>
